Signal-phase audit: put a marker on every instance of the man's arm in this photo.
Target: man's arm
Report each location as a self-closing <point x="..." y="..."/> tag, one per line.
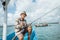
<point x="16" y="25"/>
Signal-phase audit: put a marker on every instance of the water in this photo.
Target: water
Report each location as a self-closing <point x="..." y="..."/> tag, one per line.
<point x="51" y="32"/>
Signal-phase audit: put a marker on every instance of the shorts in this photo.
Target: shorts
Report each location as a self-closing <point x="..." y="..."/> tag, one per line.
<point x="22" y="31"/>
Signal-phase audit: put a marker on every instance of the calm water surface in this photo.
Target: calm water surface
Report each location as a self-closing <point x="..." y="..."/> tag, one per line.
<point x="51" y="32"/>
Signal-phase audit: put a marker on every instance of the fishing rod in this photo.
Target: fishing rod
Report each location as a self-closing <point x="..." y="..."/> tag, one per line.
<point x="45" y="14"/>
<point x="37" y="19"/>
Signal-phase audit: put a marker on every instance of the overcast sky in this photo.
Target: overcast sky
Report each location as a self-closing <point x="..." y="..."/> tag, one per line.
<point x="34" y="10"/>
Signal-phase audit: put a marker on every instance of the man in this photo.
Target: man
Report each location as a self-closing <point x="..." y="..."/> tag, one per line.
<point x="22" y="27"/>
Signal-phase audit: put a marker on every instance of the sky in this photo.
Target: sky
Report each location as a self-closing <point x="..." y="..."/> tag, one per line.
<point x="34" y="9"/>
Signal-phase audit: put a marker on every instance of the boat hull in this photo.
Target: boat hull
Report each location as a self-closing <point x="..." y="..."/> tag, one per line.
<point x="32" y="37"/>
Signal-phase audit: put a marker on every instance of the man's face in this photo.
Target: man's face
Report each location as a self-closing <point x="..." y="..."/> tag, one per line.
<point x="23" y="16"/>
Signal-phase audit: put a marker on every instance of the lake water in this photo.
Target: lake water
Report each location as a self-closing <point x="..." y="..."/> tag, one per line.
<point x="51" y="32"/>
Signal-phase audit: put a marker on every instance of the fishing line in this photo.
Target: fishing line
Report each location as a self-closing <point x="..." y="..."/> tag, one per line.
<point x="44" y="14"/>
